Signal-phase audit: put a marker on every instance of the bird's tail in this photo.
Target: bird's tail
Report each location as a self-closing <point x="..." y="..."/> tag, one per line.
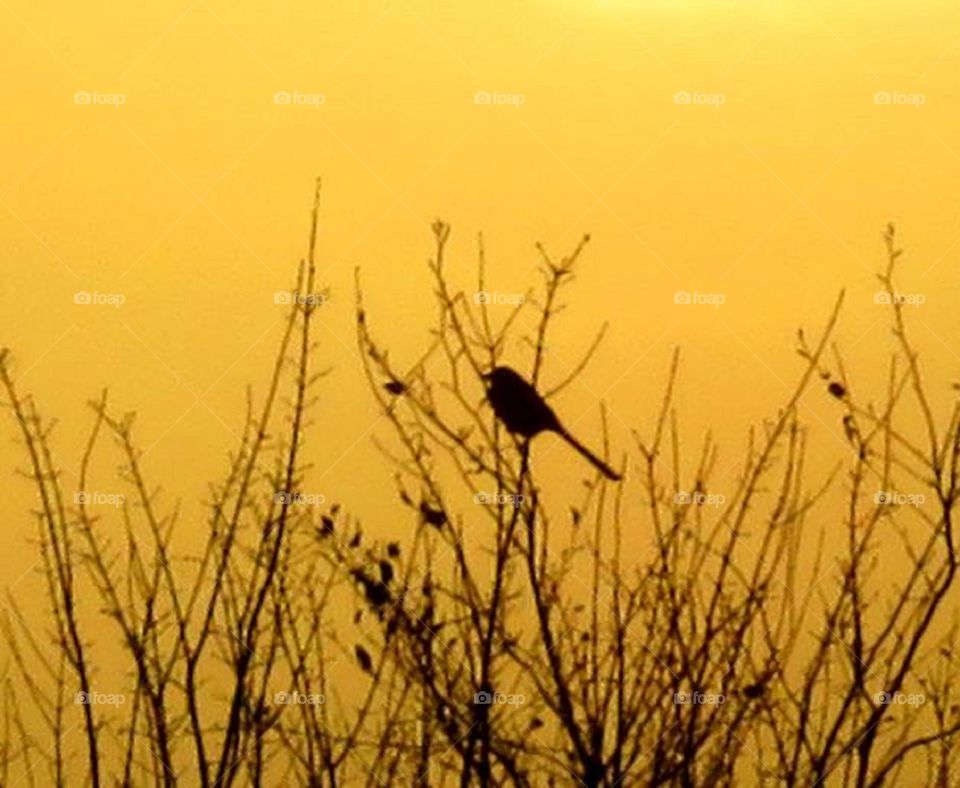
<point x="592" y="458"/>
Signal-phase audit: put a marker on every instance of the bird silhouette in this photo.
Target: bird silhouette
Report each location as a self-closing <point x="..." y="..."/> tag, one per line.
<point x="524" y="412"/>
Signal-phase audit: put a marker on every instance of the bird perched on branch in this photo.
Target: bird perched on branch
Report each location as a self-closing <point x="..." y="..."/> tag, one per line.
<point x="524" y="412"/>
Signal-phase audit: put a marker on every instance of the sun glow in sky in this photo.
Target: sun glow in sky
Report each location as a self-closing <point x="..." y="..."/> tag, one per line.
<point x="165" y="153"/>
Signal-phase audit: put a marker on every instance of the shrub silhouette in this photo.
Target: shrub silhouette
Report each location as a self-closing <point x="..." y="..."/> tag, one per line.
<point x="510" y="639"/>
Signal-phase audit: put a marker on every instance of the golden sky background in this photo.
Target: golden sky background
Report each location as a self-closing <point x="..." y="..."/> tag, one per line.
<point x="184" y="186"/>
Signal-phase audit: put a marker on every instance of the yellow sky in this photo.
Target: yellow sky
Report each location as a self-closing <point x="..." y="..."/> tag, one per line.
<point x="145" y="155"/>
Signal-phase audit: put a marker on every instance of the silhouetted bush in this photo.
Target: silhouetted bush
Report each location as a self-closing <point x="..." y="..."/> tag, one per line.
<point x="512" y="638"/>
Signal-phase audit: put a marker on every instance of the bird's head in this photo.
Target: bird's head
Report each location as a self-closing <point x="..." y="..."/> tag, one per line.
<point x="499" y="376"/>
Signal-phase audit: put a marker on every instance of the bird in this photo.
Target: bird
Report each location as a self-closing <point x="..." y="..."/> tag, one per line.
<point x="524" y="412"/>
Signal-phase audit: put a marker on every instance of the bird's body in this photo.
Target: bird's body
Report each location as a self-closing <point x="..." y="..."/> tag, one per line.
<point x="524" y="412"/>
<point x="518" y="405"/>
